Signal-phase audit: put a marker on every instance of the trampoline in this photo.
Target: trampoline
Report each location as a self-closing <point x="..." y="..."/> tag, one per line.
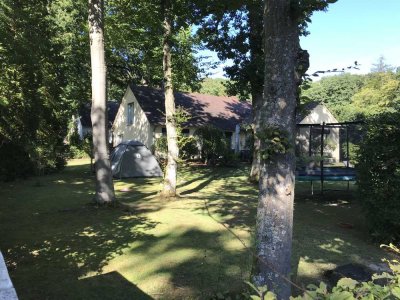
<point x="327" y="173"/>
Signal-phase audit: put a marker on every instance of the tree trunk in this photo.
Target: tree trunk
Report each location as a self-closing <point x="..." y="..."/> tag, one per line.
<point x="276" y="195"/>
<point x="104" y="184"/>
<point x="255" y="8"/>
<point x="169" y="188"/>
<point x="255" y="164"/>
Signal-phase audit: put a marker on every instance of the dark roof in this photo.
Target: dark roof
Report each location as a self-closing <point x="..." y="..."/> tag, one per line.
<point x="84" y="113"/>
<point x="305" y="109"/>
<point x="222" y="112"/>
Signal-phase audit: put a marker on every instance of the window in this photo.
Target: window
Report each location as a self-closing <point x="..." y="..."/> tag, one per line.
<point x="129" y="117"/>
<point x="164" y="131"/>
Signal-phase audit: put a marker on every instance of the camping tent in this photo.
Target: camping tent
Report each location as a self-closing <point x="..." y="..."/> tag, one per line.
<point x="133" y="159"/>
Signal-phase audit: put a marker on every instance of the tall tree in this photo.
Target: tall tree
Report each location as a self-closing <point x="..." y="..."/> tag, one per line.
<point x="104" y="184"/>
<point x="234" y="31"/>
<point x="335" y="92"/>
<point x="169" y="188"/>
<point x="283" y="22"/>
<point x="380" y="66"/>
<point x="34" y="116"/>
<point x="134" y="49"/>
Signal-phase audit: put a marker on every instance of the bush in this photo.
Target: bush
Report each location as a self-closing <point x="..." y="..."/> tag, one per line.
<point x="161" y="147"/>
<point x="188" y="147"/>
<point x="14" y="162"/>
<point x="381" y="286"/>
<point x="213" y="144"/>
<point x="379" y="176"/>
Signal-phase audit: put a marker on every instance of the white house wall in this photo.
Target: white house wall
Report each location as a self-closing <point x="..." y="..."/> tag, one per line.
<point x="141" y="129"/>
<point x="319" y="115"/>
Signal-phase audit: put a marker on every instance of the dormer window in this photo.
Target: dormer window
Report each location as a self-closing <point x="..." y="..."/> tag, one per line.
<point x="129" y="116"/>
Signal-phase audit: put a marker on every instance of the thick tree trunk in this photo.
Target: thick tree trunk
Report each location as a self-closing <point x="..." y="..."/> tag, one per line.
<point x="276" y="195"/>
<point x="255" y="164"/>
<point x="104" y="183"/>
<point x="255" y="8"/>
<point x="169" y="188"/>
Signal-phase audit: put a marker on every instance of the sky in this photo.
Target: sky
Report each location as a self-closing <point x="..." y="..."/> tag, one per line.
<point x="351" y="30"/>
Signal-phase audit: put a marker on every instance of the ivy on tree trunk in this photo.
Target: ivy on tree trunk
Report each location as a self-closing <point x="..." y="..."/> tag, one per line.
<point x="104" y="184"/>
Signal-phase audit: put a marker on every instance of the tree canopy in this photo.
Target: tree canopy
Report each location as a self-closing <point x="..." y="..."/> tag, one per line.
<point x="45" y="66"/>
<point x="352" y="97"/>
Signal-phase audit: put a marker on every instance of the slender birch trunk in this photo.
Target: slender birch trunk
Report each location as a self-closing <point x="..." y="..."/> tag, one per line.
<point x="169" y="188"/>
<point x="104" y="184"/>
<point x="276" y="195"/>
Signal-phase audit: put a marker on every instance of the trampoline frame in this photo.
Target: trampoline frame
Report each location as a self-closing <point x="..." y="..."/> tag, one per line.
<point x="322" y="177"/>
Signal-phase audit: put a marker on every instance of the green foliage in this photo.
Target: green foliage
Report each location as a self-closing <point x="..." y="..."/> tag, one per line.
<point x="134" y="46"/>
<point x="187" y="147"/>
<point x="161" y="146"/>
<point x="213" y="143"/>
<point x="214" y="86"/>
<point x="14" y="162"/>
<point x="234" y="31"/>
<point x="336" y="92"/>
<point x="351" y="97"/>
<point x="379" y="176"/>
<point x="381" y="286"/>
<point x="35" y="106"/>
<point x="187" y="144"/>
<point x="274" y="141"/>
<point x="380" y="94"/>
<point x="353" y="151"/>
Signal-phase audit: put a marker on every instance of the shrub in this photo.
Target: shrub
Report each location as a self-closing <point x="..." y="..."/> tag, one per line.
<point x="379" y="176"/>
<point x="188" y="147"/>
<point x="161" y="147"/>
<point x="14" y="162"/>
<point x="213" y="143"/>
<point x="381" y="286"/>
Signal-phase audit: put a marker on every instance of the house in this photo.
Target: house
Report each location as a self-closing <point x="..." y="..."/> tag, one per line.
<point x="141" y="115"/>
<point x="315" y="113"/>
<point x="83" y="122"/>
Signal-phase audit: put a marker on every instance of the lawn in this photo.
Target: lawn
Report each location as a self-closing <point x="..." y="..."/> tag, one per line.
<point x="57" y="245"/>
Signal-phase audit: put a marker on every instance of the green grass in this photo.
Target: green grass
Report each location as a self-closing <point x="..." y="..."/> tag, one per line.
<point x="59" y="246"/>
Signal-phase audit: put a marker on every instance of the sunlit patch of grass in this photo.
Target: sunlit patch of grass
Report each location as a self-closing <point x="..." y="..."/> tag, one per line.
<point x="59" y="246"/>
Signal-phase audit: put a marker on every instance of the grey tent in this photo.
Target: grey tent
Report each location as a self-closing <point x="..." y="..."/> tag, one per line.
<point x="133" y="159"/>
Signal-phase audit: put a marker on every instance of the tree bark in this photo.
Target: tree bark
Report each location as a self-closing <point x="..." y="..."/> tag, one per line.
<point x="255" y="9"/>
<point x="169" y="188"/>
<point x="104" y="184"/>
<point x="255" y="164"/>
<point x="276" y="185"/>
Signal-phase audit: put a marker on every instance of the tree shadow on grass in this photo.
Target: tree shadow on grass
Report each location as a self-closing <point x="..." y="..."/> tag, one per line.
<point x="329" y="230"/>
<point x="111" y="286"/>
<point x="195" y="264"/>
<point x="321" y="239"/>
<point x="227" y="194"/>
<point x="62" y="248"/>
